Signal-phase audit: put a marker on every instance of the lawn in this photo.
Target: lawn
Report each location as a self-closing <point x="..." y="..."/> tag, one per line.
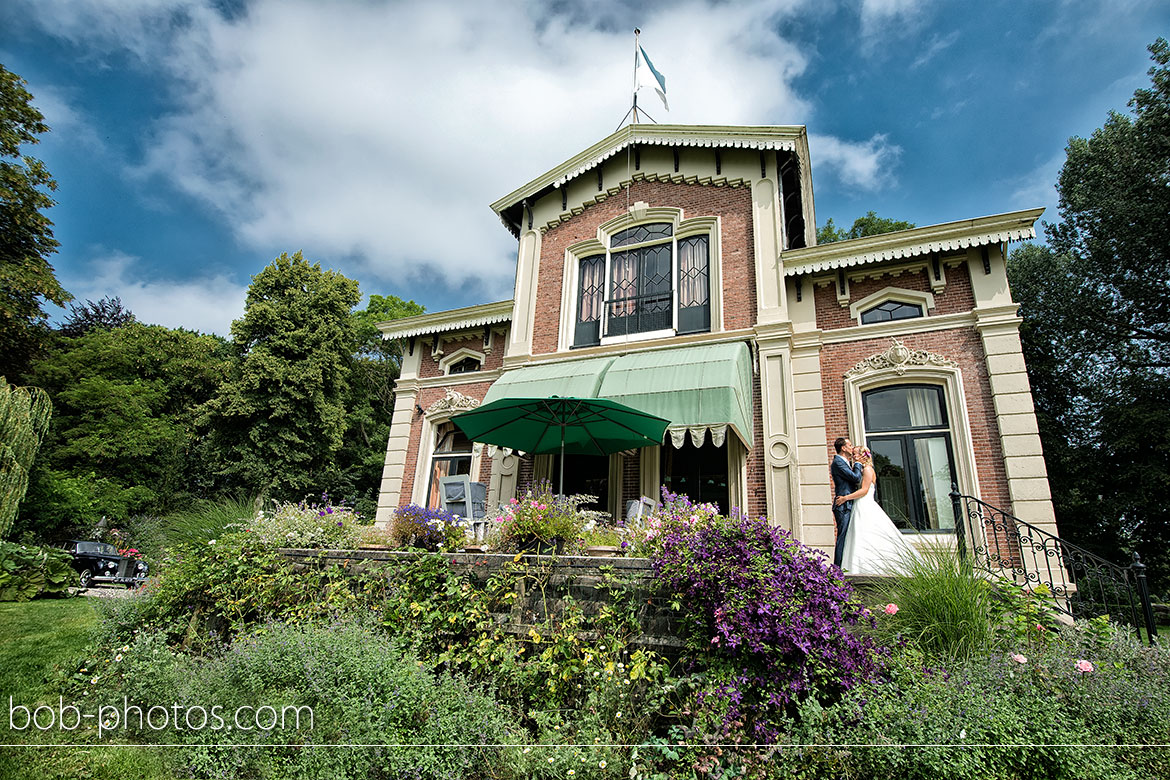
<point x="36" y="637"/>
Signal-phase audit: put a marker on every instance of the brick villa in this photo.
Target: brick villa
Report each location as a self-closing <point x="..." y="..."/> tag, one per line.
<point x="686" y="256"/>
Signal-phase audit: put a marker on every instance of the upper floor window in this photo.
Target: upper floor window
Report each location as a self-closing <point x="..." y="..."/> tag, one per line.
<point x="891" y="310"/>
<point x="464" y="366"/>
<point x="649" y="281"/>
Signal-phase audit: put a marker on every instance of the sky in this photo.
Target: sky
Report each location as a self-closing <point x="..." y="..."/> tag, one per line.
<point x="194" y="141"/>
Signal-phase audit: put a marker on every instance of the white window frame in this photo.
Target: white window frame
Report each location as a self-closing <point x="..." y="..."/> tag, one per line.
<point x="682" y="228"/>
<point x="913" y="297"/>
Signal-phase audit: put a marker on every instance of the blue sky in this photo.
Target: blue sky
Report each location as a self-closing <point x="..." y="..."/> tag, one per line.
<point x="195" y="140"/>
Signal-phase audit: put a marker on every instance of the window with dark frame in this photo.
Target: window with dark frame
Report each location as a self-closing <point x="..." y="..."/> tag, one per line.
<point x="913" y="455"/>
<point x="890" y="311"/>
<point x="635" y="288"/>
<point x="464" y="366"/>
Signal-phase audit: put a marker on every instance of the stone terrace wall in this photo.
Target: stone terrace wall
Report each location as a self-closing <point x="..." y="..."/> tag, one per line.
<point x="541" y="586"/>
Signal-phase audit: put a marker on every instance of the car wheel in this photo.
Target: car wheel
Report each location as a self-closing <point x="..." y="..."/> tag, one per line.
<point x="86" y="578"/>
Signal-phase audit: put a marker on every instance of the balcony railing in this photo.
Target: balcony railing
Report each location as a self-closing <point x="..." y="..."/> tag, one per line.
<point x="639" y="313"/>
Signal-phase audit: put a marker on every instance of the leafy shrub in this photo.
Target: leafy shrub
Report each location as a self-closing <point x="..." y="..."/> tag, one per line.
<point x="765" y="614"/>
<point x="1020" y="715"/>
<point x="28" y="571"/>
<point x="426" y="529"/>
<point x="362" y="687"/>
<point x="304" y="525"/>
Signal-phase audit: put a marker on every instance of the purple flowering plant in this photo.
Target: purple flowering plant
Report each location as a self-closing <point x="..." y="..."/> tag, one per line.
<point x="423" y="528"/>
<point x="770" y="621"/>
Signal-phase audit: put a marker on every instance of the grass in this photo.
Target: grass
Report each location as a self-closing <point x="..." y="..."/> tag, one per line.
<point x="943" y="605"/>
<point x="198" y="524"/>
<point x="35" y="638"/>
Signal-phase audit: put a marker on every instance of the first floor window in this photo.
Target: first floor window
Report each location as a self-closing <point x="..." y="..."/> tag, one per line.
<point x="451" y="457"/>
<point x="700" y="473"/>
<point x="909" y="433"/>
<point x="585" y="475"/>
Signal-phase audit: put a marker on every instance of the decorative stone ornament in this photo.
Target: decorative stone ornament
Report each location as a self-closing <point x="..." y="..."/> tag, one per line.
<point x="899" y="357"/>
<point x="453" y="403"/>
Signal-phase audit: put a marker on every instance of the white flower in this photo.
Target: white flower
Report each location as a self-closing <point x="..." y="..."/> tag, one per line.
<point x="118" y="657"/>
<point x="212" y="542"/>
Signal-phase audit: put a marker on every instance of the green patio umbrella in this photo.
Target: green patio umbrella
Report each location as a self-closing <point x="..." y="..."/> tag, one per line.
<point x="576" y="426"/>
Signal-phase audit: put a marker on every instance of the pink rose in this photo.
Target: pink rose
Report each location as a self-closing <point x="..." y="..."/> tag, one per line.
<point x="891" y="609"/>
<point x="1019" y="658"/>
<point x="1084" y="666"/>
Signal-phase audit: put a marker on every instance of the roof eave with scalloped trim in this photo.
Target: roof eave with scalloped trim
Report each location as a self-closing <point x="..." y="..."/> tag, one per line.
<point x="447" y="321"/>
<point x="902" y="244"/>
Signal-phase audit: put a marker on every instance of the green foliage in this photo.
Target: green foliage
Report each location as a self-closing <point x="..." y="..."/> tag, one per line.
<point x="317" y="526"/>
<point x="352" y="685"/>
<point x="542" y="516"/>
<point x="198" y="523"/>
<point x="278" y="422"/>
<point x="869" y="225"/>
<point x="107" y="313"/>
<point x="27" y="279"/>
<point x="28" y="571"/>
<point x="24" y="419"/>
<point x="1095" y="332"/>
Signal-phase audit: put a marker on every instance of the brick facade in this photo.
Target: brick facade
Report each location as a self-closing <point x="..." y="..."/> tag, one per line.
<point x="731" y="204"/>
<point x="956" y="297"/>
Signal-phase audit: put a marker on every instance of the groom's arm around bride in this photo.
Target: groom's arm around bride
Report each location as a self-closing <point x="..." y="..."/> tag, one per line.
<point x="846" y="479"/>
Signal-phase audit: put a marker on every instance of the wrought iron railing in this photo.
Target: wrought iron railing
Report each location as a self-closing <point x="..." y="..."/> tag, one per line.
<point x="639" y="313"/>
<point x="1082" y="584"/>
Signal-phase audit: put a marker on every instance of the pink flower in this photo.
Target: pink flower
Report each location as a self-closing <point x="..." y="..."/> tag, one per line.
<point x="1084" y="666"/>
<point x="1040" y="627"/>
<point x="891" y="609"/>
<point x="1019" y="658"/>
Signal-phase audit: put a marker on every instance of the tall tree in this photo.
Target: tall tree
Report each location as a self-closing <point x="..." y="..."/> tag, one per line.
<point x="278" y="422"/>
<point x="123" y="439"/>
<point x="107" y="313"/>
<point x="1096" y="332"/>
<point x="27" y="279"/>
<point x="24" y="418"/>
<point x="869" y="225"/>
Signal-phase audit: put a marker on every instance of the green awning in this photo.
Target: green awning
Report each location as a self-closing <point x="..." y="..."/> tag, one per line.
<point x="701" y="389"/>
<point x="573" y="379"/>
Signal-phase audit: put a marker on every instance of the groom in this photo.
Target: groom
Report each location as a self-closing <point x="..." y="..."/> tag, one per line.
<point x="846" y="479"/>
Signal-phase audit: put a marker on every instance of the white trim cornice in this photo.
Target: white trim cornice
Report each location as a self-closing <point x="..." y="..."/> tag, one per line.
<point x="946" y="237"/>
<point x="448" y="321"/>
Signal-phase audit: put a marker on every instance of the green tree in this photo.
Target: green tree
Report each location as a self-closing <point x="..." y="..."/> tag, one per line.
<point x="1096" y="332"/>
<point x="123" y="438"/>
<point x="27" y="279"/>
<point x="869" y="225"/>
<point x="278" y="423"/>
<point x="370" y="406"/>
<point x="24" y="418"/>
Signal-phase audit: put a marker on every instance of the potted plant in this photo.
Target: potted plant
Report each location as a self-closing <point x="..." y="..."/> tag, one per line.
<point x="602" y="541"/>
<point x="541" y="523"/>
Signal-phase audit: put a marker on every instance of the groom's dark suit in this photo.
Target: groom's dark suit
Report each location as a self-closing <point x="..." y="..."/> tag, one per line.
<point x="846" y="479"/>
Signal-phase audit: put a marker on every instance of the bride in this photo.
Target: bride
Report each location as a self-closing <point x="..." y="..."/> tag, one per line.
<point x="874" y="544"/>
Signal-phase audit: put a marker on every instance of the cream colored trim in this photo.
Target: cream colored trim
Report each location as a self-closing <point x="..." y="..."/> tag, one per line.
<point x="455" y="380"/>
<point x="650" y="472"/>
<point x="527" y="278"/>
<point x="936" y="372"/>
<point x="900" y="294"/>
<point x="458" y="355"/>
<point x="945" y="237"/>
<point x="397" y="444"/>
<point x="466" y="318"/>
<point x="898" y="328"/>
<point x="737" y="492"/>
<point x="779" y="137"/>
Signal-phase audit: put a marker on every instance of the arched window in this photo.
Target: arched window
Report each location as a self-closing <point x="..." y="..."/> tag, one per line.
<point x="649" y="280"/>
<point x="464" y="366"/>
<point x="910" y="436"/>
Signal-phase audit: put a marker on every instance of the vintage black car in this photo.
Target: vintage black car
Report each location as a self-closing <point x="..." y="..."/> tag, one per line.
<point x="98" y="562"/>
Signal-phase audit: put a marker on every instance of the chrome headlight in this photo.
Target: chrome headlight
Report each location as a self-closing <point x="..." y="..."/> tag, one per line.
<point x="110" y="565"/>
<point x="141" y="567"/>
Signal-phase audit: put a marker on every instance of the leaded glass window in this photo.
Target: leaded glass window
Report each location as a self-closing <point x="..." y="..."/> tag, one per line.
<point x="694" y="285"/>
<point x="891" y="310"/>
<point x="642" y="233"/>
<point x="590" y="293"/>
<point x="464" y="366"/>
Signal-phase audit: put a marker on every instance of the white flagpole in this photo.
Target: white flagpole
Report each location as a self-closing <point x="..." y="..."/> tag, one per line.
<point x="637" y="32"/>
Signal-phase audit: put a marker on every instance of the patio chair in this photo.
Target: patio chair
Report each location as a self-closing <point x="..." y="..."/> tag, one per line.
<point x="460" y="496"/>
<point x="636" y="510"/>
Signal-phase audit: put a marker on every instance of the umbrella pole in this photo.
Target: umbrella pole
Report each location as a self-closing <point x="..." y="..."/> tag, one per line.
<point x="562" y="490"/>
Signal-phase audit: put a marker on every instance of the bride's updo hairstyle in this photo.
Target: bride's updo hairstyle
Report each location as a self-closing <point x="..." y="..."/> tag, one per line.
<point x="866" y="455"/>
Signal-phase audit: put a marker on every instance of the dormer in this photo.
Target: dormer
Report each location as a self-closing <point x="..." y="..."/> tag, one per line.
<point x="658" y="231"/>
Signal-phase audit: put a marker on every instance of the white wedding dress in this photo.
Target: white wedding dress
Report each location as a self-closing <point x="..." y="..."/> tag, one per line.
<point x="874" y="544"/>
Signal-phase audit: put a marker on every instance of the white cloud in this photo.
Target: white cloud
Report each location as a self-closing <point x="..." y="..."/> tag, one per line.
<point x="865" y="165"/>
<point x="378" y="133"/>
<point x="938" y="44"/>
<point x="207" y="304"/>
<point x="1037" y="187"/>
<point x="878" y="15"/>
